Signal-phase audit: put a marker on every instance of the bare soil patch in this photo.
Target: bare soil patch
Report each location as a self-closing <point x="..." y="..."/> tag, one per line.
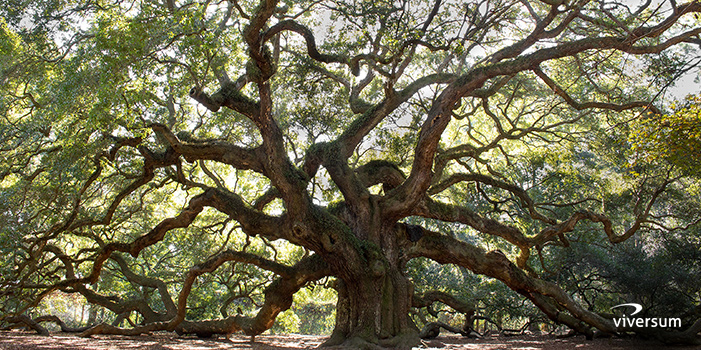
<point x="16" y="340"/>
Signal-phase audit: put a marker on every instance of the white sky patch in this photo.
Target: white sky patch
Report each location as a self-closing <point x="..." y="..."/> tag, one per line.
<point x="687" y="84"/>
<point x="322" y="30"/>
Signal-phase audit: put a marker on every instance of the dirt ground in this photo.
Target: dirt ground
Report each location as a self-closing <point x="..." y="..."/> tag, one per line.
<point x="16" y="340"/>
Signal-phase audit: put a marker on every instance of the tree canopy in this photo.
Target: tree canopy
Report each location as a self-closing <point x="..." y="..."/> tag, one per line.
<point x="195" y="166"/>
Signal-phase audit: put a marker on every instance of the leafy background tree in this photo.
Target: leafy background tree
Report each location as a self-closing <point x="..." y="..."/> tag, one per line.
<point x="361" y="168"/>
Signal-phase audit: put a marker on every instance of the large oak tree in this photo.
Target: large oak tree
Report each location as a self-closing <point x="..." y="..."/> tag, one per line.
<point x="141" y="140"/>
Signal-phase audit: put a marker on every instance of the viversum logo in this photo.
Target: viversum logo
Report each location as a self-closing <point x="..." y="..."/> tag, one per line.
<point x="643" y="322"/>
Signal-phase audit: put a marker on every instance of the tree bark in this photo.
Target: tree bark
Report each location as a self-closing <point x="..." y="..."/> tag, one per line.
<point x="374" y="294"/>
<point x="374" y="310"/>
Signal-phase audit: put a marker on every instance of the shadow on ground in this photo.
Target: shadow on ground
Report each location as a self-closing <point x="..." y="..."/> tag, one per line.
<point x="167" y="341"/>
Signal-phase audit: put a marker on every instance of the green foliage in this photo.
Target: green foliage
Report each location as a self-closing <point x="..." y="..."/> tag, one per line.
<point x="658" y="271"/>
<point x="313" y="312"/>
<point x="673" y="137"/>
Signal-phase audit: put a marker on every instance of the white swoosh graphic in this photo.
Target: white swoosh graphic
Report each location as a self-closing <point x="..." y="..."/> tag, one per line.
<point x="637" y="307"/>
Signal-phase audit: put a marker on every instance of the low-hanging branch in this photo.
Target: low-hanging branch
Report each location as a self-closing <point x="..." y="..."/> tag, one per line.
<point x="495" y="264"/>
<point x="278" y="298"/>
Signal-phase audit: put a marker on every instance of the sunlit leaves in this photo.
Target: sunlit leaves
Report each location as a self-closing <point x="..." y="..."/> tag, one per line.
<point x="674" y="137"/>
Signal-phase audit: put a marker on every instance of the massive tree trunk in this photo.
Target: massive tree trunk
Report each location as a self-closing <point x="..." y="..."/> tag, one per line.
<point x="374" y="309"/>
<point x="374" y="295"/>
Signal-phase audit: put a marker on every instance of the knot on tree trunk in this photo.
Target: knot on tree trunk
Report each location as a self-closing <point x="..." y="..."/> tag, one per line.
<point x="380" y="172"/>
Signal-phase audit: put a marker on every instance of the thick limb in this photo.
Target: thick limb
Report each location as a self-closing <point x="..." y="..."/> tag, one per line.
<point x="278" y="298"/>
<point x="547" y="296"/>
